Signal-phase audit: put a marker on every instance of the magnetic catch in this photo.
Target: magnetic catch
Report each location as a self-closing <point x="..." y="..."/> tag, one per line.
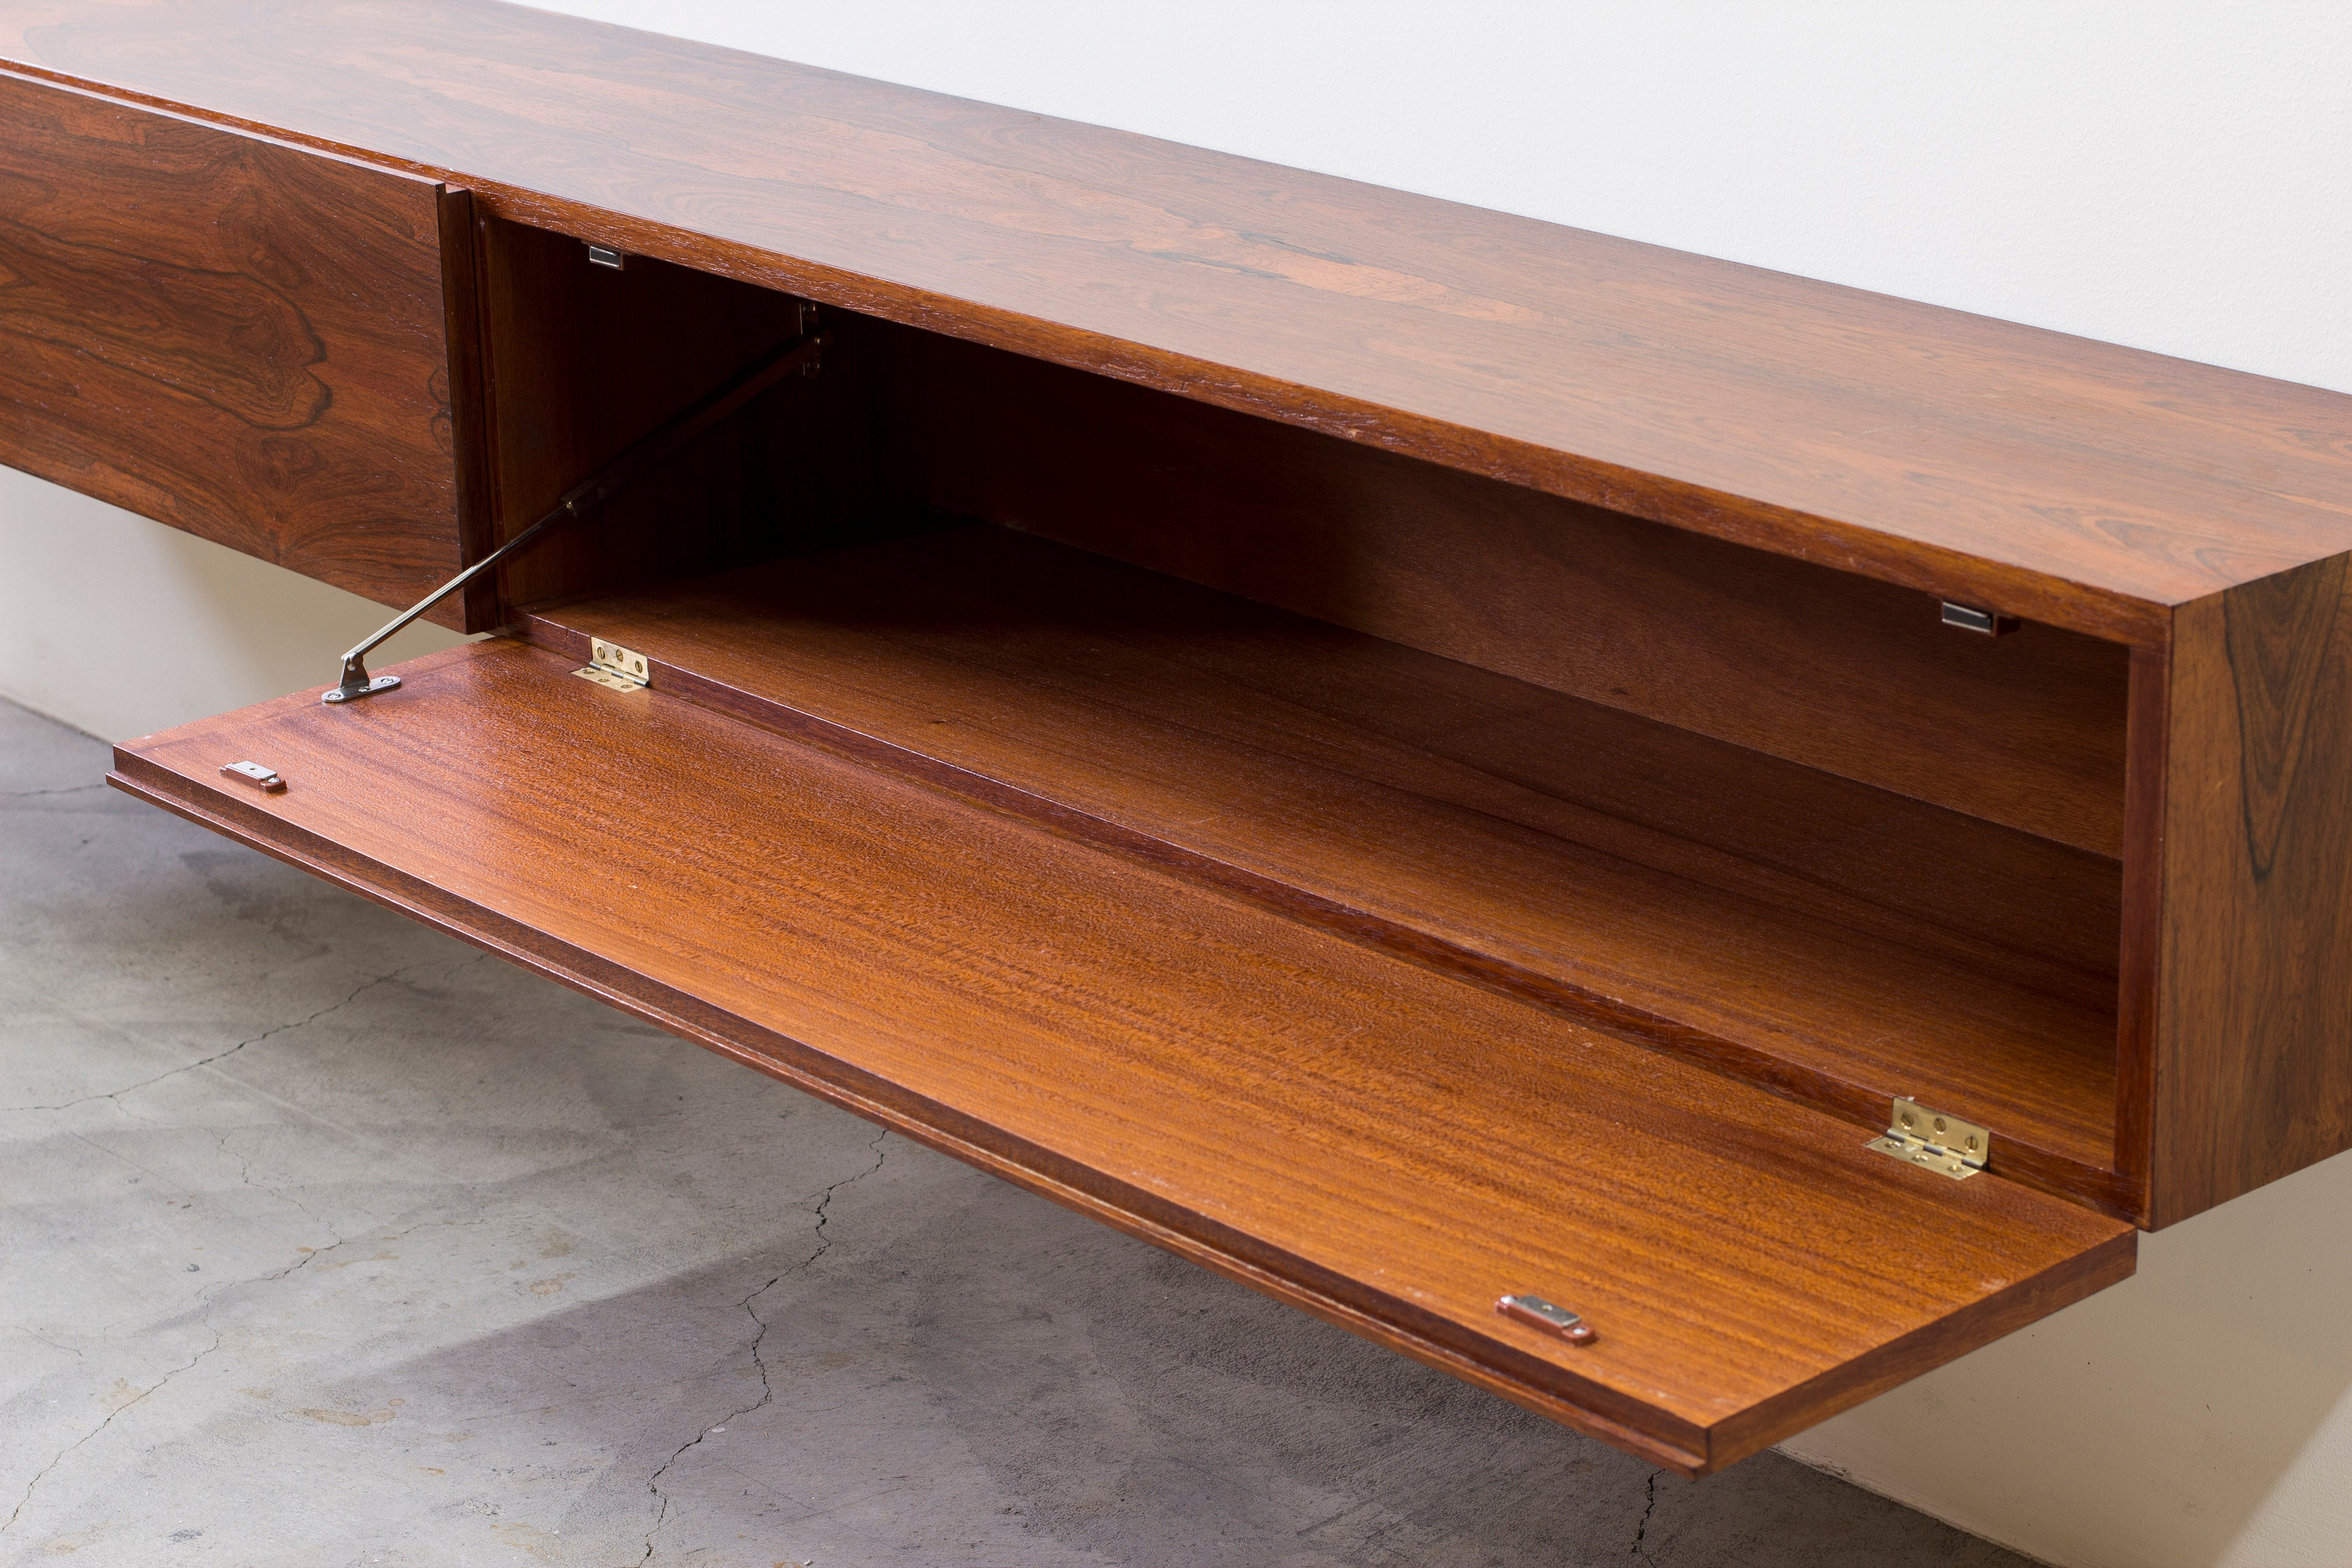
<point x="1972" y="618"/>
<point x="1537" y="1312"/>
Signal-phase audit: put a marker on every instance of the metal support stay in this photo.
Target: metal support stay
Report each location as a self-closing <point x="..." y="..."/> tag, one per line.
<point x="800" y="354"/>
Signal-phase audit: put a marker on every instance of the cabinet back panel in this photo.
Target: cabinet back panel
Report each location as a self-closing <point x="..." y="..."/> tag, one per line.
<point x="1842" y="943"/>
<point x="584" y="360"/>
<point x="1853" y="677"/>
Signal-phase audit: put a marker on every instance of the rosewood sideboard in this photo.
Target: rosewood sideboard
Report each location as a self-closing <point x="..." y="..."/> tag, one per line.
<point x="1680" y="843"/>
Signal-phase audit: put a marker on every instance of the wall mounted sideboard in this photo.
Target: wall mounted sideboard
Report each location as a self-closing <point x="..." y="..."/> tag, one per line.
<point x="1680" y="843"/>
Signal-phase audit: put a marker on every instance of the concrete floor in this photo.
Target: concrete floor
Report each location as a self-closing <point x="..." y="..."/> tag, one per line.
<point x="327" y="1241"/>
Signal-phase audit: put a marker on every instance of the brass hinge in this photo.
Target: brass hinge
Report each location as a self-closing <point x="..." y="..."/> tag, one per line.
<point x="614" y="666"/>
<point x="1935" y="1142"/>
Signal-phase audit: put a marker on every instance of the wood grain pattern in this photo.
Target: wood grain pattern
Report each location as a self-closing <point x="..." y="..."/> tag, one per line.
<point x="2076" y="483"/>
<point x="244" y="339"/>
<point x="1390" y="1146"/>
<point x="2141" y="953"/>
<point x="583" y="361"/>
<point x="1833" y="941"/>
<point x="478" y="607"/>
<point x="1821" y="667"/>
<point x="2252" y="1036"/>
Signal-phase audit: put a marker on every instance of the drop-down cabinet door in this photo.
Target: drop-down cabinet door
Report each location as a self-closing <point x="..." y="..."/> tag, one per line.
<point x="1390" y="1146"/>
<point x="236" y="337"/>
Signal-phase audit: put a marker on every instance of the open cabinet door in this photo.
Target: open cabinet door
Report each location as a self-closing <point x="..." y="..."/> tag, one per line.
<point x="1389" y="1146"/>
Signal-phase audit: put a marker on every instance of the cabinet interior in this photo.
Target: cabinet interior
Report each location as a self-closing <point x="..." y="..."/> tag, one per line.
<point x="1755" y="812"/>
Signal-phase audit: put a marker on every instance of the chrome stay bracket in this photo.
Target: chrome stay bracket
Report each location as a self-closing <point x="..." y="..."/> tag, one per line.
<point x="801" y="354"/>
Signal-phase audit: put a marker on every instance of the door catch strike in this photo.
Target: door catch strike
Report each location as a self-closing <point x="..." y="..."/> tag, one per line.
<point x="265" y="780"/>
<point x="1538" y="1313"/>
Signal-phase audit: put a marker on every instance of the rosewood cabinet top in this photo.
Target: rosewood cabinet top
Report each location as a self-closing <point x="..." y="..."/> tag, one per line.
<point x="2070" y="482"/>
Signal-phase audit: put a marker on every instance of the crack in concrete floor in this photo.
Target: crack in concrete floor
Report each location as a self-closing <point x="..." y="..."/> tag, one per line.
<point x="750" y="1307"/>
<point x="544" y="1240"/>
<point x="213" y="1300"/>
<point x="221" y="1056"/>
<point x="33" y="1483"/>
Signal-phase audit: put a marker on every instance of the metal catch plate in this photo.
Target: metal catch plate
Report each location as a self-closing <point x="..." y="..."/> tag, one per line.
<point x="1970" y="619"/>
<point x="1934" y="1141"/>
<point x="615" y="667"/>
<point x="1538" y="1313"/>
<point x="265" y="780"/>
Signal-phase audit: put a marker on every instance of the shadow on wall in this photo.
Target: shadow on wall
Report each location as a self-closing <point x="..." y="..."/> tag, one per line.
<point x="120" y="626"/>
<point x="2199" y="1414"/>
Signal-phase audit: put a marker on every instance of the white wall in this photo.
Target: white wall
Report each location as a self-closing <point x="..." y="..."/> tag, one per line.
<point x="2171" y="176"/>
<point x="121" y="626"/>
<point x="2200" y="1413"/>
<point x="2176" y="176"/>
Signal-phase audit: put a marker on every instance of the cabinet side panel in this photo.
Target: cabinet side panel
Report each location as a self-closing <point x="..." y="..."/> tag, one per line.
<point x="2140" y="955"/>
<point x="238" y="338"/>
<point x="582" y="361"/>
<point x="2255" y="1033"/>
<point x="468" y="400"/>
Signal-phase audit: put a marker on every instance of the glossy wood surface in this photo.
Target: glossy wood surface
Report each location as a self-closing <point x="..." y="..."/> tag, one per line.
<point x="584" y="360"/>
<point x="1390" y="1147"/>
<point x="2251" y="1066"/>
<point x="1822" y="668"/>
<point x="2140" y="954"/>
<point x="1837" y="943"/>
<point x="244" y="340"/>
<point x="2077" y="483"/>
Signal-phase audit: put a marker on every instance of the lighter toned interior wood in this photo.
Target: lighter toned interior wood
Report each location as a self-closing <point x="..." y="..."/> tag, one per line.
<point x="1394" y="1143"/>
<point x="1842" y="942"/>
<point x="1795" y="660"/>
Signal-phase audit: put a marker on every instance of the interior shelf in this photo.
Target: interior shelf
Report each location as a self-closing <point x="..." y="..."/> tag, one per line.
<point x="1835" y="941"/>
